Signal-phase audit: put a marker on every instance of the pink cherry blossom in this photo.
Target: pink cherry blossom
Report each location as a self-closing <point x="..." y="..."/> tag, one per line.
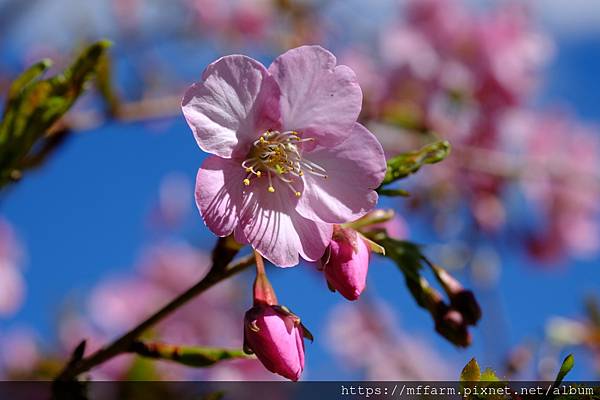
<point x="288" y="157"/>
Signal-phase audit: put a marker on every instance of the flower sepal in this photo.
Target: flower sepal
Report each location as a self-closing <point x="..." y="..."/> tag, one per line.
<point x="286" y="312"/>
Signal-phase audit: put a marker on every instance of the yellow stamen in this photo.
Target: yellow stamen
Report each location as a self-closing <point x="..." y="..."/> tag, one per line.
<point x="279" y="155"/>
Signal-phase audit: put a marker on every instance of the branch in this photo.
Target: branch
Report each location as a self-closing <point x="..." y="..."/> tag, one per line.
<point x="224" y="252"/>
<point x="191" y="356"/>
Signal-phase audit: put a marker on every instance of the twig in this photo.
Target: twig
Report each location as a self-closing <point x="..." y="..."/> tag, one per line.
<point x="134" y="111"/>
<point x="123" y="344"/>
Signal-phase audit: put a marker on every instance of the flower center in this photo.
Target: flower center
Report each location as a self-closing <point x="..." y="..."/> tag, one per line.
<point x="278" y="155"/>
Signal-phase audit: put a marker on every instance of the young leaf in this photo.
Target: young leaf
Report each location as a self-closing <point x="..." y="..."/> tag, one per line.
<point x="405" y="254"/>
<point x="565" y="368"/>
<point x="471" y="372"/>
<point x="104" y="83"/>
<point x="488" y="375"/>
<point x="406" y="164"/>
<point x="393" y="192"/>
<point x="34" y="106"/>
<point x="31" y="73"/>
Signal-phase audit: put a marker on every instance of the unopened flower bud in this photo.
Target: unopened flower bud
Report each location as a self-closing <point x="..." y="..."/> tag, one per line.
<point x="276" y="335"/>
<point x="346" y="262"/>
<point x="464" y="301"/>
<point x="460" y="299"/>
<point x="450" y="324"/>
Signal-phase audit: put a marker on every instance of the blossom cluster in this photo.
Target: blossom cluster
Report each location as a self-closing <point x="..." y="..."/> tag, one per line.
<point x="470" y="76"/>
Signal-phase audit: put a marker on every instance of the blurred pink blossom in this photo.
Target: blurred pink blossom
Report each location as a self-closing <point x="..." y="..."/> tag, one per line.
<point x="12" y="284"/>
<point x="468" y="75"/>
<point x="245" y="19"/>
<point x="560" y="177"/>
<point x="366" y="337"/>
<point x="19" y="352"/>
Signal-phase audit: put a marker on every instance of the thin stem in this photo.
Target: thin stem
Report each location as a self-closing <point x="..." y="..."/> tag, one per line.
<point x="448" y="282"/>
<point x="263" y="291"/>
<point x="260" y="264"/>
<point x="123" y="344"/>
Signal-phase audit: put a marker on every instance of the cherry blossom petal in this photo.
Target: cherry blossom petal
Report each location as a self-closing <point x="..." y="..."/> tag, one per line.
<point x="314" y="237"/>
<point x="318" y="98"/>
<point x="219" y="192"/>
<point x="277" y="231"/>
<point x="235" y="100"/>
<point x="354" y="168"/>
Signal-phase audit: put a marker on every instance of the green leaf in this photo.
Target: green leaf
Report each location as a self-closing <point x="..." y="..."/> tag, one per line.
<point x="393" y="192"/>
<point x="406" y="164"/>
<point x="142" y="369"/>
<point x="13" y="98"/>
<point x="471" y="372"/>
<point x="31" y="73"/>
<point x="489" y="376"/>
<point x="406" y="255"/>
<point x="104" y="83"/>
<point x="192" y="356"/>
<point x="34" y="106"/>
<point x="205" y="356"/>
<point x="565" y="368"/>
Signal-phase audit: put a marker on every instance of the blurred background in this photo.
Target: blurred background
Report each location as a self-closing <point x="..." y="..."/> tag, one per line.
<point x="106" y="230"/>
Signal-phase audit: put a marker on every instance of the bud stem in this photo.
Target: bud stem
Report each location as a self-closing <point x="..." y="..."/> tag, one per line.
<point x="451" y="286"/>
<point x="263" y="291"/>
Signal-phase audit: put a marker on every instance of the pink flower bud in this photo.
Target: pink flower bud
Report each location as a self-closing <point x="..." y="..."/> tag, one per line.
<point x="276" y="335"/>
<point x="346" y="262"/>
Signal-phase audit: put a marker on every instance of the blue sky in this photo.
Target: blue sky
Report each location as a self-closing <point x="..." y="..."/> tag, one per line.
<point x="82" y="217"/>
